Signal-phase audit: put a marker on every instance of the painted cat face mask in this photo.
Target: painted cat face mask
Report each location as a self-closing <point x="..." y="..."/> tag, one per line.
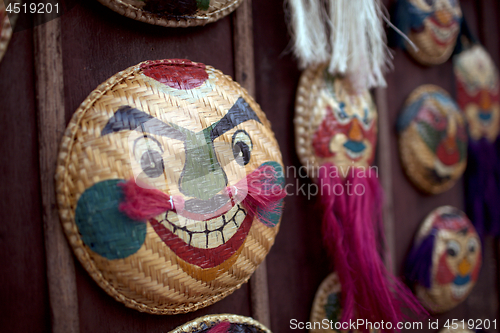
<point x="165" y="189"/>
<point x="433" y="139"/>
<point x="336" y="129"/>
<point x="445" y="260"/>
<point x="432" y="25"/>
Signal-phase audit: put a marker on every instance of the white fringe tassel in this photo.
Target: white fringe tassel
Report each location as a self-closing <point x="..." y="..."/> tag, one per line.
<point x="348" y="34"/>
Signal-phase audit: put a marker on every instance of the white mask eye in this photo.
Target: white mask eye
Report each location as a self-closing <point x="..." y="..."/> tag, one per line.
<point x="452" y="248"/>
<point x="341" y="115"/>
<point x="472" y="245"/>
<point x="149" y="154"/>
<point x="242" y="147"/>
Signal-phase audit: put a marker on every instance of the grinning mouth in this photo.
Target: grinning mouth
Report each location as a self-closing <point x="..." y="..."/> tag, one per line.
<point x="205" y="234"/>
<point x="354" y="149"/>
<point x="443" y="35"/>
<point x="458" y="292"/>
<point x="206" y="243"/>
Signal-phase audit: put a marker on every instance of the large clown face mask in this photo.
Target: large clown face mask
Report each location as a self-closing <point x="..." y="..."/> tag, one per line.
<point x="333" y="123"/>
<point x="455" y="259"/>
<point x="433" y="139"/>
<point x="157" y="172"/>
<point x="478" y="92"/>
<point x="433" y="28"/>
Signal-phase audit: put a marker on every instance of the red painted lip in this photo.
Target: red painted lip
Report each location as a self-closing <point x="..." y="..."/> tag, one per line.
<point x="204" y="258"/>
<point x="440" y="25"/>
<point x="446" y="156"/>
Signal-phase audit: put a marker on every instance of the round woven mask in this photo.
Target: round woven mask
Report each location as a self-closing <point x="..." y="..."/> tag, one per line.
<point x="160" y="179"/>
<point x="173" y="13"/>
<point x="478" y="92"/>
<point x="445" y="259"/>
<point x="433" y="26"/>
<point x="326" y="310"/>
<point x="432" y="139"/>
<point x="332" y="123"/>
<point x="223" y="323"/>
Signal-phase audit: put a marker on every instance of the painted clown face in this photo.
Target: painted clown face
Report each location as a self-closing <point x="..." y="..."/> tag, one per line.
<point x="433" y="27"/>
<point x="478" y="92"/>
<point x="456" y="259"/>
<point x="433" y="139"/>
<point x="183" y="132"/>
<point x="344" y="123"/>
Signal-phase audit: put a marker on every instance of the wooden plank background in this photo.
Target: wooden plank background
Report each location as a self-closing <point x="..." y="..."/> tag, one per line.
<point x="97" y="43"/>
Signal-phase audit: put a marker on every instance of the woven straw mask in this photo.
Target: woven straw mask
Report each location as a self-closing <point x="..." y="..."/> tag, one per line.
<point x="173" y="13"/>
<point x="234" y="324"/>
<point x="7" y="23"/>
<point x="433" y="139"/>
<point x="456" y="259"/>
<point x="433" y="26"/>
<point x="332" y="123"/>
<point x="478" y="92"/>
<point x="180" y="129"/>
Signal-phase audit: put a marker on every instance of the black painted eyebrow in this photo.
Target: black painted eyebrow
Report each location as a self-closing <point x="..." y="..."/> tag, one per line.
<point x="129" y="118"/>
<point x="239" y="113"/>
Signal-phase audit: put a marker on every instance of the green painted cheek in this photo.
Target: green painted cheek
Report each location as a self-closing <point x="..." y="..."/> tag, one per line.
<point x="430" y="136"/>
<point x="273" y="216"/>
<point x="202" y="176"/>
<point x="202" y="4"/>
<point x="104" y="229"/>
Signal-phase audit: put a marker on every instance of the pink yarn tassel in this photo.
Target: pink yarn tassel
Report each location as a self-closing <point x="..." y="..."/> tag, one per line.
<point x="222" y="327"/>
<point x="350" y="226"/>
<point x="259" y="192"/>
<point x="142" y="204"/>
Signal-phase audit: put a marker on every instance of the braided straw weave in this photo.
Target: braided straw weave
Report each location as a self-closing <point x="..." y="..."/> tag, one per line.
<point x="131" y="9"/>
<point x="442" y="297"/>
<point x="330" y="285"/>
<point x="417" y="158"/>
<point x="314" y="96"/>
<point x="202" y="324"/>
<point x="153" y="278"/>
<point x="6" y="26"/>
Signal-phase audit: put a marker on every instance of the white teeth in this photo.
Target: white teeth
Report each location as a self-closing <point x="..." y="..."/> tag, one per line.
<point x="352" y="154"/>
<point x="239" y="218"/>
<point x="183" y="235"/>
<point x="459" y="291"/>
<point x="215" y="239"/>
<point x="204" y="234"/>
<point x="443" y="34"/>
<point x="443" y="170"/>
<point x="199" y="240"/>
<point x="215" y="224"/>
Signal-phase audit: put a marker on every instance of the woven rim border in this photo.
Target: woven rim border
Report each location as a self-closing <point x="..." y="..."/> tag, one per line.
<point x="307" y="89"/>
<point x="211" y="320"/>
<point x="68" y="224"/>
<point x="135" y="13"/>
<point x="7" y="27"/>
<point x="330" y="284"/>
<point x="407" y="156"/>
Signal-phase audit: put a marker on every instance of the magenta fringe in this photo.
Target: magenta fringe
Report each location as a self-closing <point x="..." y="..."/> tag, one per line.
<point x="259" y="192"/>
<point x="222" y="327"/>
<point x="351" y="226"/>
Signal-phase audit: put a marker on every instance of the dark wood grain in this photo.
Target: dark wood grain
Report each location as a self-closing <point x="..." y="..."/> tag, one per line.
<point x="51" y="125"/>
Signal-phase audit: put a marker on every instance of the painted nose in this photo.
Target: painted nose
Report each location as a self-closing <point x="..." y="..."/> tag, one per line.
<point x="202" y="176"/>
<point x="464" y="267"/>
<point x="485" y="100"/>
<point x="443" y="16"/>
<point x="450" y="144"/>
<point x="355" y="133"/>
